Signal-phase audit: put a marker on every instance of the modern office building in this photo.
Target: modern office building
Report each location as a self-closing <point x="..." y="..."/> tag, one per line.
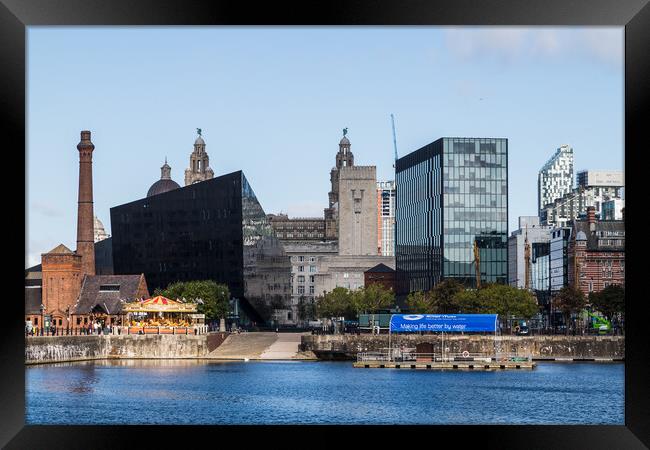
<point x="559" y="259"/>
<point x="540" y="269"/>
<point x="603" y="178"/>
<point x="212" y="230"/>
<point x="386" y="218"/>
<point x="574" y="205"/>
<point x="530" y="232"/>
<point x="555" y="179"/>
<point x="613" y="209"/>
<point x="452" y="196"/>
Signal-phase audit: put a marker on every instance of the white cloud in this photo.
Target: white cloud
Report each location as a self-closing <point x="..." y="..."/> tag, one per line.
<point x="509" y="44"/>
<point x="605" y="44"/>
<point x="46" y="209"/>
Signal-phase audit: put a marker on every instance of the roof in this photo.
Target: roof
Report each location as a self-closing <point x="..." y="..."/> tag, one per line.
<point x="126" y="289"/>
<point x="199" y="141"/>
<point x="61" y="249"/>
<point x="344" y="141"/>
<point x="160" y="303"/>
<point x="33" y="299"/>
<point x="161" y="186"/>
<point x="381" y="267"/>
<point x="603" y="226"/>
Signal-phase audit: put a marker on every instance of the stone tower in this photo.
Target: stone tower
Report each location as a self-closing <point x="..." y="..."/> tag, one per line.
<point x="344" y="158"/>
<point x="85" y="216"/>
<point x="199" y="169"/>
<point x="357" y="211"/>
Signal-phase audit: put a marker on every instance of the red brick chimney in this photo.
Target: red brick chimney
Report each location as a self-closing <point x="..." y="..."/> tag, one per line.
<point x="85" y="216"/>
<point x="591" y="218"/>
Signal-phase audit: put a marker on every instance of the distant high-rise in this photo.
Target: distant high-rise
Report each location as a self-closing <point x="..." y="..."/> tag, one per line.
<point x="555" y="179"/>
<point x="386" y="218"/>
<point x="199" y="169"/>
<point x="452" y="199"/>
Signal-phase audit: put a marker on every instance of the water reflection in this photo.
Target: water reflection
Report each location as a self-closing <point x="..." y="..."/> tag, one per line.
<point x="233" y="392"/>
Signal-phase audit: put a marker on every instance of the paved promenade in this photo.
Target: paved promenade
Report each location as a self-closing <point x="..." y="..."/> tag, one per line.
<point x="261" y="346"/>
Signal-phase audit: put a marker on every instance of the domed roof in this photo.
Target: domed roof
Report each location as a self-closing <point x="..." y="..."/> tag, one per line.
<point x="344" y="141"/>
<point x="99" y="231"/>
<point x="581" y="236"/>
<point x="98" y="224"/>
<point x="199" y="141"/>
<point x="161" y="186"/>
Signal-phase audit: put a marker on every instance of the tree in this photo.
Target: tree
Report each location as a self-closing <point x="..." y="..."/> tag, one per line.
<point x="469" y="302"/>
<point x="335" y="303"/>
<point x="372" y="298"/>
<point x="569" y="300"/>
<point x="420" y="302"/>
<point x="306" y="309"/>
<point x="507" y="301"/>
<point x="609" y="301"/>
<point x="215" y="297"/>
<point x="443" y="296"/>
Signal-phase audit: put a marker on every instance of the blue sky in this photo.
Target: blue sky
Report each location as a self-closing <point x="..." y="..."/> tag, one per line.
<point x="272" y="101"/>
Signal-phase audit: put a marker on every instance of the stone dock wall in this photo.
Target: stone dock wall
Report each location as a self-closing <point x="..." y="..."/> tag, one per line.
<point x="540" y="347"/>
<point x="49" y="349"/>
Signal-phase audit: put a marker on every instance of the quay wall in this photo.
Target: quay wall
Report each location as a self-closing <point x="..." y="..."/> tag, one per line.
<point x="540" y="347"/>
<point x="50" y="349"/>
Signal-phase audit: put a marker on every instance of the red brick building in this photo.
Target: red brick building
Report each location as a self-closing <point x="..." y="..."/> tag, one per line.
<point x="380" y="274"/>
<point x="596" y="253"/>
<point x="61" y="275"/>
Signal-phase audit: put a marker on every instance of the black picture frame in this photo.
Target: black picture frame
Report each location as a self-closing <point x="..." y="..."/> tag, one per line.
<point x="634" y="15"/>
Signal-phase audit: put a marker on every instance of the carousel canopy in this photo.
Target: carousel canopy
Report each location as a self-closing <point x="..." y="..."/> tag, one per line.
<point x="159" y="304"/>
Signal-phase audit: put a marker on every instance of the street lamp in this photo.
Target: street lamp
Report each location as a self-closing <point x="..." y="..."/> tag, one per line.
<point x="42" y="321"/>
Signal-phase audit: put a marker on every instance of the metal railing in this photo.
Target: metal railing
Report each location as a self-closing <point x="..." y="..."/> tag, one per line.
<point x="399" y="355"/>
<point x="116" y="331"/>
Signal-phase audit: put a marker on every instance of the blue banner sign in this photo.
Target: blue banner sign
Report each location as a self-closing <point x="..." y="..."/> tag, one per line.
<point x="448" y="323"/>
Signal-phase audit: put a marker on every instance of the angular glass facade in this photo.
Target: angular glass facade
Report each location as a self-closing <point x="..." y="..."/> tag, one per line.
<point x="451" y="194"/>
<point x="212" y="230"/>
<point x="555" y="178"/>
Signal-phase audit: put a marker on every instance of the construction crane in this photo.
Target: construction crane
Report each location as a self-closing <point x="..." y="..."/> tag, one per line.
<point x="392" y="120"/>
<point x="477" y="261"/>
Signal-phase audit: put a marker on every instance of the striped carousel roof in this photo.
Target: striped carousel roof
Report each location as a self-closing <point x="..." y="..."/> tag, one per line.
<point x="160" y="303"/>
<point x="160" y="300"/>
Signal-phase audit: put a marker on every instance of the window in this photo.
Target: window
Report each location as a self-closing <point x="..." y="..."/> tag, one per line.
<point x="78" y="320"/>
<point x="35" y="320"/>
<point x="301" y="289"/>
<point x="301" y="268"/>
<point x="346" y="275"/>
<point x="311" y="289"/>
<point x="301" y="278"/>
<point x="301" y="258"/>
<point x="311" y="278"/>
<point x="312" y="268"/>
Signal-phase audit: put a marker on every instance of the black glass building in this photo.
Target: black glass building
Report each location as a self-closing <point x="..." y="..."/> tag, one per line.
<point x="211" y="230"/>
<point x="450" y="195"/>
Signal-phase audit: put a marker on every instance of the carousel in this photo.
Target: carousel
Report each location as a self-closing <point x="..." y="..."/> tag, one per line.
<point x="160" y="315"/>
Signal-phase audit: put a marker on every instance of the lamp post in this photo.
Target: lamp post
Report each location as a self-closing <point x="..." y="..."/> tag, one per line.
<point x="42" y="320"/>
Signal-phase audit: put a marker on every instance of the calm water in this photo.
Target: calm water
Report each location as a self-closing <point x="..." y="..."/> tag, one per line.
<point x="190" y="392"/>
